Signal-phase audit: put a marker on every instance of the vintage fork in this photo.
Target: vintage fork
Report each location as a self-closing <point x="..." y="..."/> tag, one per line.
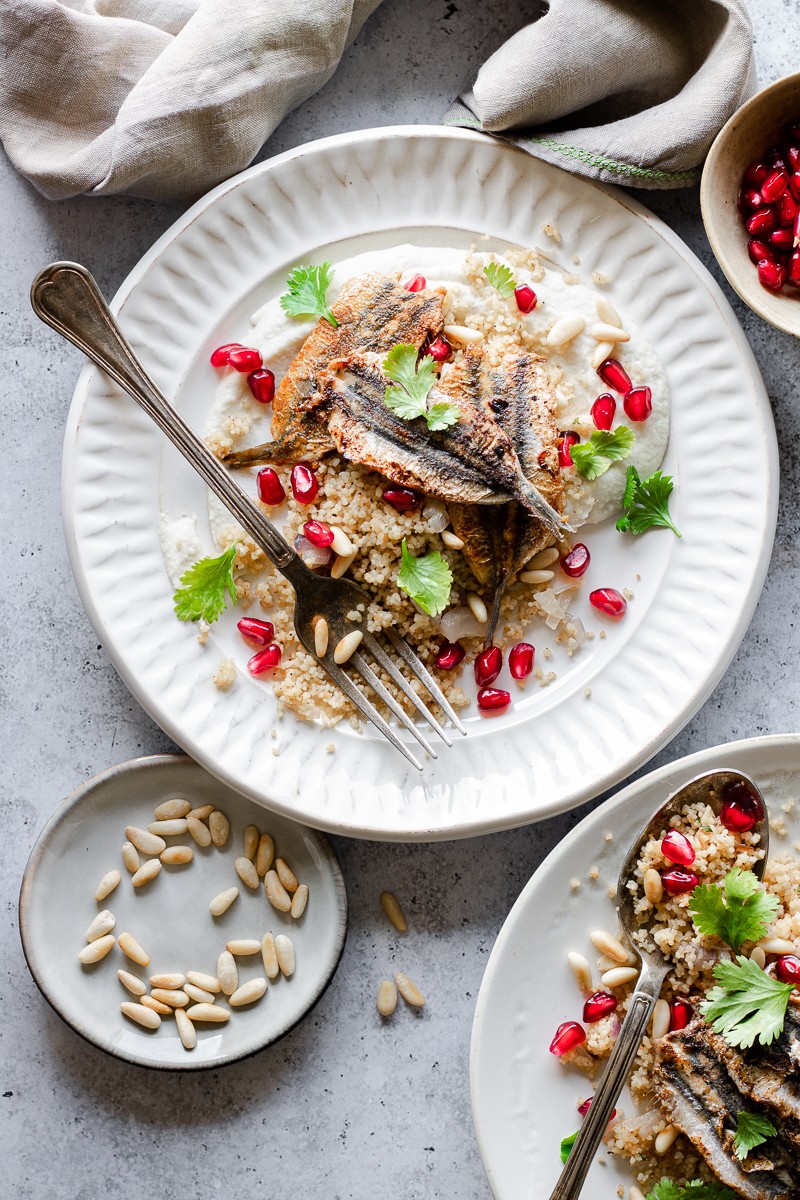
<point x="66" y="297"/>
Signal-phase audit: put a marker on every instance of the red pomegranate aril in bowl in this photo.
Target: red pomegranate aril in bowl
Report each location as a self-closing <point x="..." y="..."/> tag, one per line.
<point x="741" y="808"/>
<point x="577" y="561"/>
<point x="520" y="660"/>
<point x="402" y="499"/>
<point x="525" y="297"/>
<point x="608" y="601"/>
<point x="449" y="656"/>
<point x="245" y="359"/>
<point x="614" y="374"/>
<point x="305" y="485"/>
<point x="219" y="357"/>
<point x="772" y="275"/>
<point x="597" y="1006"/>
<point x="440" y="349"/>
<point x="756" y="173"/>
<point x="270" y="488"/>
<point x="262" y="385"/>
<point x="786" y="209"/>
<point x="488" y="665"/>
<point x="794" y="185"/>
<point x="762" y="221"/>
<point x="260" y="632"/>
<point x="568" y="1035"/>
<point x="565" y="443"/>
<point x="680" y="1014"/>
<point x="787" y="969"/>
<point x="417" y="283"/>
<point x="794" y="267"/>
<point x="318" y="533"/>
<point x="752" y="199"/>
<point x="677" y="848"/>
<point x="677" y="880"/>
<point x="758" y="250"/>
<point x="265" y="660"/>
<point x="493" y="699"/>
<point x="774" y="185"/>
<point x="638" y="403"/>
<point x="604" y="410"/>
<point x="781" y="240"/>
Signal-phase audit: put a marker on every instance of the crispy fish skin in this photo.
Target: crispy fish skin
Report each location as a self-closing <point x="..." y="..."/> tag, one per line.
<point x="375" y="313"/>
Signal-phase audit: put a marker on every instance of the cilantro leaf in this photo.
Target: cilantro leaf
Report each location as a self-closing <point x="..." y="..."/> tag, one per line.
<point x="306" y="297"/>
<point x="751" y="1130"/>
<point x="202" y="594"/>
<point x="646" y="502"/>
<point x="426" y="579"/>
<point x="441" y="416"/>
<point x="665" y="1189"/>
<point x="698" y="1189"/>
<point x="748" y="1005"/>
<point x="413" y="382"/>
<point x="501" y="278"/>
<point x="593" y="458"/>
<point x="566" y="1145"/>
<point x="736" y="911"/>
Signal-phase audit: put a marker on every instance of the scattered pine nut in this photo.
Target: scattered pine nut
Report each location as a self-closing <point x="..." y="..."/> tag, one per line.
<point x="145" y="841"/>
<point x="251" y="836"/>
<point x="103" y="923"/>
<point x="545" y="558"/>
<point x="607" y="312"/>
<point x="452" y="540"/>
<point x="635" y="1194"/>
<point x="409" y="991"/>
<point x="347" y="646"/>
<point x="97" y="949"/>
<point x="665" y="1139"/>
<point x="607" y="944"/>
<point x="776" y="945"/>
<point x="173" y="997"/>
<point x="565" y="329"/>
<point x="758" y="956"/>
<point x="199" y="831"/>
<point x="198" y="994"/>
<point x="387" y="998"/>
<point x="269" y="957"/>
<point x="222" y="902"/>
<point x="604" y="963"/>
<point x="171" y="809"/>
<point x="284" y="952"/>
<point x="220" y="828"/>
<point x="186" y="1030"/>
<point x="603" y="332"/>
<point x="536" y="576"/>
<point x="107" y="884"/>
<point x="299" y="901"/>
<point x="342" y="563"/>
<point x="653" y="887"/>
<point x="174" y="980"/>
<point x="246" y="871"/>
<point x="660" y="1025"/>
<point x="276" y="893"/>
<point x="391" y="906"/>
<point x="177" y="856"/>
<point x="134" y="985"/>
<point x="477" y="608"/>
<point x="227" y="973"/>
<point x="213" y="1013"/>
<point x="209" y="983"/>
<point x="203" y="813"/>
<point x="141" y="1015"/>
<point x="130" y="857"/>
<point x="602" y="351"/>
<point x="241" y="947"/>
<point x="248" y="993"/>
<point x="157" y="1006"/>
<point x="146" y="872"/>
<point x="168" y="828"/>
<point x="341" y="544"/>
<point x="619" y="976"/>
<point x="581" y="970"/>
<point x="321" y="633"/>
<point x="265" y="854"/>
<point x="462" y="333"/>
<point x="286" y="875"/>
<point x="130" y="947"/>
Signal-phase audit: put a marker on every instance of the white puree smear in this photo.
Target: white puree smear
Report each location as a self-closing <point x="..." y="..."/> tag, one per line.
<point x="180" y="545"/>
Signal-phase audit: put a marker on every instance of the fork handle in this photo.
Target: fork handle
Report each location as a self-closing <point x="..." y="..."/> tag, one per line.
<point x="66" y="297"/>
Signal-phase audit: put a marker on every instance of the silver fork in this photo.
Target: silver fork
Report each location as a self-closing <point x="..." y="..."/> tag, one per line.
<point x="66" y="297"/>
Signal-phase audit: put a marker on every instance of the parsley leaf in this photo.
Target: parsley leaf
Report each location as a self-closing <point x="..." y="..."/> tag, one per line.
<point x="698" y="1189"/>
<point x="748" y="1005"/>
<point x="202" y="594"/>
<point x="751" y="1130"/>
<point x="307" y="292"/>
<point x="426" y="579"/>
<point x="645" y="504"/>
<point x="413" y="382"/>
<point x="501" y="278"/>
<point x="593" y="458"/>
<point x="566" y="1145"/>
<point x="665" y="1189"/>
<point x="736" y="911"/>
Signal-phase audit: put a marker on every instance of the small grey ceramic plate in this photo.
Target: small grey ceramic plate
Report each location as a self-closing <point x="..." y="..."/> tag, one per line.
<point x="169" y="916"/>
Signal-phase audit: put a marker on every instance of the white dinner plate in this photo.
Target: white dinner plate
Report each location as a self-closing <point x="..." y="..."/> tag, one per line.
<point x="169" y="916"/>
<point x="693" y="598"/>
<point x="523" y="1099"/>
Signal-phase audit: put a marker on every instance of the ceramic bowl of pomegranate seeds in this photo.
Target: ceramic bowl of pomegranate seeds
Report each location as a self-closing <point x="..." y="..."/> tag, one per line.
<point x="750" y="198"/>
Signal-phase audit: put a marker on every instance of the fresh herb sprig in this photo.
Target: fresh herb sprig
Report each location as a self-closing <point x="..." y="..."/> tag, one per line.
<point x="307" y="294"/>
<point x="501" y="278"/>
<point x="751" y="1130"/>
<point x="427" y="580"/>
<point x="698" y="1189"/>
<point x="645" y="504"/>
<point x="748" y="1005"/>
<point x="410" y="385"/>
<point x="604" y="447"/>
<point x="736" y="911"/>
<point x="203" y="589"/>
<point x="566" y="1145"/>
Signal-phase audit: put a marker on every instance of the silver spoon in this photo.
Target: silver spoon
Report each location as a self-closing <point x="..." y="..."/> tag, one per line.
<point x="713" y="788"/>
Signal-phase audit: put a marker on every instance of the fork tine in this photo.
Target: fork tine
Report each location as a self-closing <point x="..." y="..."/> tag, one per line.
<point x="421" y="671"/>
<point x="366" y="672"/>
<point x="368" y="709"/>
<point x="373" y="645"/>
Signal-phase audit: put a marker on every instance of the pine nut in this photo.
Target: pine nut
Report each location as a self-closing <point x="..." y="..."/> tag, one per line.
<point x="141" y="1015"/>
<point x="276" y="893"/>
<point x="97" y="949"/>
<point x="167" y="981"/>
<point x="248" y="993"/>
<point x="145" y="841"/>
<point x="387" y="998"/>
<point x="665" y="1139"/>
<point x="103" y="923"/>
<point x="299" y="901"/>
<point x="284" y="952"/>
<point x="157" y="1006"/>
<point x="408" y="990"/>
<point x="581" y="970"/>
<point x="250" y="841"/>
<point x="477" y="608"/>
<point x="660" y="1025"/>
<point x="199" y="831"/>
<point x="635" y="1194"/>
<point x="565" y="329"/>
<point x="653" y="887"/>
<point x="391" y="906"/>
<point x="107" y="884"/>
<point x="609" y="333"/>
<point x="227" y="973"/>
<point x="602" y="351"/>
<point x="462" y="334"/>
<point x="134" y="985"/>
<point x="607" y="312"/>
<point x="341" y="543"/>
<point x="198" y="994"/>
<point x="452" y="540"/>
<point x="758" y="956"/>
<point x="213" y="1013"/>
<point x="202" y="813"/>
<point x="168" y="828"/>
<point x="220" y="828"/>
<point x="208" y="983"/>
<point x="286" y="875"/>
<point x="174" y="997"/>
<point x="171" y="809"/>
<point x="619" y="976"/>
<point x="131" y="948"/>
<point x="347" y="646"/>
<point x="545" y="558"/>
<point x="321" y="637"/>
<point x="222" y="901"/>
<point x="342" y="563"/>
<point x="146" y="872"/>
<point x="177" y="856"/>
<point x="265" y="854"/>
<point x="605" y="963"/>
<point x="776" y="945"/>
<point x="186" y="1030"/>
<point x="130" y="857"/>
<point x="241" y="947"/>
<point x="269" y="957"/>
<point x="246" y="871"/>
<point x="609" y="945"/>
<point x="536" y="576"/>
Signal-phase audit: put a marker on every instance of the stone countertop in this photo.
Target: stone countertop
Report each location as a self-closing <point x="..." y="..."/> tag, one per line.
<point x="343" y="1107"/>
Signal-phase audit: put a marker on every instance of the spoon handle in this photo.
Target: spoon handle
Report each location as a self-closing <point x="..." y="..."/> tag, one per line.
<point x="647" y="991"/>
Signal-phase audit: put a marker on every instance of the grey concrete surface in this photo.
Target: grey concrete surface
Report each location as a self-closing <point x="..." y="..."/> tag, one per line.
<point x="342" y="1108"/>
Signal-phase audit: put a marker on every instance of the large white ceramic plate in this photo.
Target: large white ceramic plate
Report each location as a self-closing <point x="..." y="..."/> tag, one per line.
<point x="523" y="1100"/>
<point x="694" y="597"/>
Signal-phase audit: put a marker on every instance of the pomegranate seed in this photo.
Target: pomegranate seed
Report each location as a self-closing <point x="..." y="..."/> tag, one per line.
<point x="565" y="443"/>
<point x="449" y="656"/>
<point x="493" y="699"/>
<point x="680" y="1014"/>
<point x="520" y="660"/>
<point x="603" y="411"/>
<point x="774" y="185"/>
<point x="781" y="240"/>
<point x="568" y="1036"/>
<point x="638" y="403"/>
<point x="260" y="632"/>
<point x="270" y="488"/>
<point x="758" y="250"/>
<point x="262" y="385"/>
<point x="756" y="173"/>
<point x="587" y="1104"/>
<point x="794" y="267"/>
<point x="305" y="485"/>
<point x="318" y="533"/>
<point x="772" y="275"/>
<point x="762" y="221"/>
<point x="794" y="185"/>
<point x="525" y="297"/>
<point x="219" y="357"/>
<point x="614" y="374"/>
<point x="608" y="601"/>
<point x="597" y="1006"/>
<point x="575" y="563"/>
<point x="677" y="848"/>
<point x="752" y="198"/>
<point x="488" y="665"/>
<point x="741" y="808"/>
<point x="786" y="209"/>
<point x="793" y="157"/>
<point x="265" y="660"/>
<point x="787" y="969"/>
<point x="677" y="880"/>
<point x="244" y="359"/>
<point x="417" y="283"/>
<point x="402" y="499"/>
<point x="776" y="160"/>
<point x="440" y="349"/>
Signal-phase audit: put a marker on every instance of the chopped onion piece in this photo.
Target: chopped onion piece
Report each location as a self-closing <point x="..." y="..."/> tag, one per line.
<point x="460" y="623"/>
<point x="435" y="515"/>
<point x="313" y="556"/>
